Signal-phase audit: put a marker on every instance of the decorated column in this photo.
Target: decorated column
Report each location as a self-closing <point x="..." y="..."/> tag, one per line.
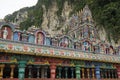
<point x="116" y="74"/>
<point x="88" y="73"/>
<point x="45" y="71"/>
<point x="112" y="73"/>
<point x="83" y="75"/>
<point x="77" y="71"/>
<point x="29" y="74"/>
<point x="109" y="74"/>
<point x="12" y="70"/>
<point x="72" y="72"/>
<point x="102" y="73"/>
<point x="53" y="71"/>
<point x="21" y="71"/>
<point x="1" y="71"/>
<point x="66" y="72"/>
<point x="97" y="68"/>
<point x="105" y="72"/>
<point x="118" y="71"/>
<point x="59" y="69"/>
<point x="38" y="71"/>
<point x="93" y="74"/>
<point x="42" y="72"/>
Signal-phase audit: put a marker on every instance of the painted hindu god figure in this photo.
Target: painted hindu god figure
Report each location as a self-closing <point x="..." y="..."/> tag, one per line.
<point x="86" y="46"/>
<point x="40" y="38"/>
<point x="5" y="33"/>
<point x="111" y="50"/>
<point x="64" y="42"/>
<point x="102" y="49"/>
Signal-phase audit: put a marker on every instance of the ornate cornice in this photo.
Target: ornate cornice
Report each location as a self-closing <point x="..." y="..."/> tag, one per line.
<point x="39" y="50"/>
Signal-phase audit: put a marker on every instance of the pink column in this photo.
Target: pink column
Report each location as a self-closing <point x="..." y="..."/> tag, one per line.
<point x="53" y="70"/>
<point x="118" y="71"/>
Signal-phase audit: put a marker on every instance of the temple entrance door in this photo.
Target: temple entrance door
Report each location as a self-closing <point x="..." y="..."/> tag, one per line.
<point x="6" y="71"/>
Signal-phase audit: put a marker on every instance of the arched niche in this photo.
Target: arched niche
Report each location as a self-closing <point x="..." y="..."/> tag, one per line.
<point x="6" y="32"/>
<point x="65" y="41"/>
<point x="48" y="41"/>
<point x="118" y="50"/>
<point x="31" y="38"/>
<point x="40" y="37"/>
<point x="9" y="30"/>
<point x="87" y="46"/>
<point x="16" y="36"/>
<point x="54" y="41"/>
<point x="111" y="50"/>
<point x="96" y="49"/>
<point x="102" y="48"/>
<point x="86" y="32"/>
<point x="77" y="45"/>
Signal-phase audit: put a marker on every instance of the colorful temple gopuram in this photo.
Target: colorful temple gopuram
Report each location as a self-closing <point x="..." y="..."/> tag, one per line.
<point x="78" y="55"/>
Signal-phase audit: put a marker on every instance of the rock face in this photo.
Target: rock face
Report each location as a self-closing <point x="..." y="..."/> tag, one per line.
<point x="20" y="17"/>
<point x="51" y="23"/>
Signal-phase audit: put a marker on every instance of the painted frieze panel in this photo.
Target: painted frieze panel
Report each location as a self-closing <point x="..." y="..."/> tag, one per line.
<point x="55" y="52"/>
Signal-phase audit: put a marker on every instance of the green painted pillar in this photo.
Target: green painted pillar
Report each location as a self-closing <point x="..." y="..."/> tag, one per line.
<point x="21" y="71"/>
<point x="77" y="67"/>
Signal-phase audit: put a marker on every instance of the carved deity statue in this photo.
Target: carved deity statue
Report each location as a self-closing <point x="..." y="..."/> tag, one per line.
<point x="111" y="50"/>
<point x="102" y="49"/>
<point x="5" y="33"/>
<point x="40" y="38"/>
<point x="65" y="42"/>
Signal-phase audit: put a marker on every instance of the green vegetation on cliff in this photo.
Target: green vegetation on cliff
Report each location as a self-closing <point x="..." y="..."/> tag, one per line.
<point x="106" y="13"/>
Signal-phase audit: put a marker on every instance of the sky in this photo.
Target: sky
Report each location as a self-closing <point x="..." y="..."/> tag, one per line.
<point x="9" y="6"/>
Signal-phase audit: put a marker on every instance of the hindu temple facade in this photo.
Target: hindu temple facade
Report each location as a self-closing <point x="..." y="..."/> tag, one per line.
<point x="78" y="55"/>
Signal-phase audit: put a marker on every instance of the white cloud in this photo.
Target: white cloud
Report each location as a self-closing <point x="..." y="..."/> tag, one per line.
<point x="9" y="6"/>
